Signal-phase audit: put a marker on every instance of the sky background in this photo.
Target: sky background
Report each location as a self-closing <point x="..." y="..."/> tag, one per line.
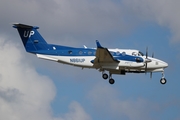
<point x="36" y="89"/>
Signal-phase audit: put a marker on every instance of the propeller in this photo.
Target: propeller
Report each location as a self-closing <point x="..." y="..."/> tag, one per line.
<point x="151" y="72"/>
<point x="147" y="59"/>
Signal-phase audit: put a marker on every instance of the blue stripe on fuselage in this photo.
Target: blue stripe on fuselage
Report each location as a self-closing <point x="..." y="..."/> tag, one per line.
<point x="58" y="50"/>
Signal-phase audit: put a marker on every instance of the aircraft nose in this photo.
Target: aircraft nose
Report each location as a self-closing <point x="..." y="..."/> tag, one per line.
<point x="160" y="63"/>
<point x="164" y="64"/>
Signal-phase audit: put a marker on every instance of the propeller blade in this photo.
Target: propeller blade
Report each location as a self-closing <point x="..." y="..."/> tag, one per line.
<point x="146" y="52"/>
<point x="151" y="75"/>
<point x="146" y="68"/>
<point x="146" y="59"/>
<point x="153" y="55"/>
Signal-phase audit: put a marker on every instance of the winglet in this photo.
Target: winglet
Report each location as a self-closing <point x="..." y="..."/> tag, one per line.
<point x="98" y="44"/>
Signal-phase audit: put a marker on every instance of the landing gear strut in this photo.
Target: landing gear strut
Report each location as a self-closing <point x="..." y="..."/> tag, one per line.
<point x="163" y="79"/>
<point x="105" y="76"/>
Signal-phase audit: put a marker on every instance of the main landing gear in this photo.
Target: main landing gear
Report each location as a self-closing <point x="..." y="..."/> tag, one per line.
<point x="105" y="76"/>
<point x="163" y="79"/>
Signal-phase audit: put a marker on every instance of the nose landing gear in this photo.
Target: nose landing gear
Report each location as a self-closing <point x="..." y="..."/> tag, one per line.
<point x="163" y="79"/>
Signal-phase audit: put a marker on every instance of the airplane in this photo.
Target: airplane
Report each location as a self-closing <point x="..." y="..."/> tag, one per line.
<point x="114" y="61"/>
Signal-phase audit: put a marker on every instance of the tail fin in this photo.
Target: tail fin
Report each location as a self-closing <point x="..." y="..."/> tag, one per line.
<point x="31" y="38"/>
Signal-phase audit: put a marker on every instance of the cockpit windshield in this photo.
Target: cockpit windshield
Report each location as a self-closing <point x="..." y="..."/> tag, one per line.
<point x="140" y="53"/>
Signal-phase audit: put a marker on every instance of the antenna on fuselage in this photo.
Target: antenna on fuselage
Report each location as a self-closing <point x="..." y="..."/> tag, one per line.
<point x="84" y="46"/>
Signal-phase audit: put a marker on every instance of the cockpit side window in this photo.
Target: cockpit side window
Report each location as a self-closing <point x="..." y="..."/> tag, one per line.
<point x="123" y="53"/>
<point x="134" y="54"/>
<point x="140" y="54"/>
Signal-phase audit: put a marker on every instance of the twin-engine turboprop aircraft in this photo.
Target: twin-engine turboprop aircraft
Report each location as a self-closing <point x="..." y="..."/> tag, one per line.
<point x="115" y="61"/>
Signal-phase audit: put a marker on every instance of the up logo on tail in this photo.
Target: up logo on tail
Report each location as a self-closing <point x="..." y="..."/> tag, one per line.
<point x="27" y="34"/>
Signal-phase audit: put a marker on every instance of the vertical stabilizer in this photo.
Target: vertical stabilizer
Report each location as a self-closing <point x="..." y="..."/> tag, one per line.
<point x="31" y="38"/>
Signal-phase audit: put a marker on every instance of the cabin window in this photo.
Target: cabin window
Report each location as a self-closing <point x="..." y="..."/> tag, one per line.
<point x="80" y="52"/>
<point x="89" y="52"/>
<point x="117" y="53"/>
<point x="70" y="52"/>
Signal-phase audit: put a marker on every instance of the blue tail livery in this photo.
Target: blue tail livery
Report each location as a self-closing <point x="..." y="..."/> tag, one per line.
<point x="113" y="61"/>
<point x="31" y="38"/>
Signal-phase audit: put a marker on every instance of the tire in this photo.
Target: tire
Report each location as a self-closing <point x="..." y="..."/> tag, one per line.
<point x="111" y="81"/>
<point x="163" y="81"/>
<point x="105" y="76"/>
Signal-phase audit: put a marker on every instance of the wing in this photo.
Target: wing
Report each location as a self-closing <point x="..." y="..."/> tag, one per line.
<point x="103" y="55"/>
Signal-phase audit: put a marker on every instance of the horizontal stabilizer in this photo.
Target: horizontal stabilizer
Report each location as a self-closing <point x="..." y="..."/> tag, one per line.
<point x="19" y="25"/>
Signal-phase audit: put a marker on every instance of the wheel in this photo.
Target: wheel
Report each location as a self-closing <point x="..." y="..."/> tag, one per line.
<point x="111" y="81"/>
<point x="163" y="81"/>
<point x="105" y="76"/>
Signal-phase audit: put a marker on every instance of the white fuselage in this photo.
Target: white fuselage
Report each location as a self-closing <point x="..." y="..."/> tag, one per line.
<point x="155" y="65"/>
